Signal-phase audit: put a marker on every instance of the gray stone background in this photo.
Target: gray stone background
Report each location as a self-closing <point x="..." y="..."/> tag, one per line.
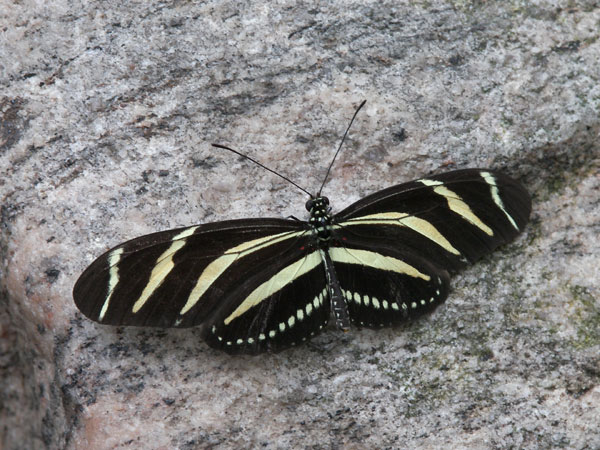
<point x="107" y="110"/>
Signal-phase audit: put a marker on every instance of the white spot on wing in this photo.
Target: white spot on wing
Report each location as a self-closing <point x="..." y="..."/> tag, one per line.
<point x="309" y="309"/>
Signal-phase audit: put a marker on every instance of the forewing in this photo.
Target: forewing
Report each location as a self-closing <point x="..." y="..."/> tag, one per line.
<point x="181" y="277"/>
<point x="448" y="219"/>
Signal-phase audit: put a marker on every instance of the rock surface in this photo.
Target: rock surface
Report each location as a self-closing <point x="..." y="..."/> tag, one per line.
<point x="107" y="111"/>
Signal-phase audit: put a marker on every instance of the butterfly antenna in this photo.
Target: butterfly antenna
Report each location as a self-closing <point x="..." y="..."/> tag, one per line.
<point x="340" y="147"/>
<point x="263" y="166"/>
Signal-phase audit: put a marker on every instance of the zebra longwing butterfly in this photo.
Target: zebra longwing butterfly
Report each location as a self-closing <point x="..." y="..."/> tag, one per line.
<point x="257" y="285"/>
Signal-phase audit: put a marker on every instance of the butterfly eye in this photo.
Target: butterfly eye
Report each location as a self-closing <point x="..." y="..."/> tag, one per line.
<point x="309" y="204"/>
<point x="325" y="200"/>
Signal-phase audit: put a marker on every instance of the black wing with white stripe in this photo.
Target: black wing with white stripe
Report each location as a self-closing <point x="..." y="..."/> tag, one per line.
<point x="451" y="219"/>
<point x="434" y="225"/>
<point x="180" y="278"/>
<point x="383" y="286"/>
<point x="274" y="309"/>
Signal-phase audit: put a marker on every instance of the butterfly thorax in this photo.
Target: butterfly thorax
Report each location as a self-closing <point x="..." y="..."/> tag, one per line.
<point x="320" y="217"/>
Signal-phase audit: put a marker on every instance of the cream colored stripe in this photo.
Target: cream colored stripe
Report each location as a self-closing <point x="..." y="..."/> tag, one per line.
<point x="164" y="265"/>
<point x="489" y="179"/>
<point x="375" y="260"/>
<point x="214" y="270"/>
<point x="113" y="278"/>
<point x="456" y="204"/>
<point x="276" y="283"/>
<point x="421" y="226"/>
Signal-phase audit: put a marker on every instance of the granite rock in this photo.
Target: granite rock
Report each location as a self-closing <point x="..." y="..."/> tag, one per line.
<point x="107" y="110"/>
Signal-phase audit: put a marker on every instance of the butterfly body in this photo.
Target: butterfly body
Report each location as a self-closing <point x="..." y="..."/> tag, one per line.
<point x="257" y="285"/>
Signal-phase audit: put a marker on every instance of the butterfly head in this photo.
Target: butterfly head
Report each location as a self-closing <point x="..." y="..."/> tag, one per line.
<point x="318" y="204"/>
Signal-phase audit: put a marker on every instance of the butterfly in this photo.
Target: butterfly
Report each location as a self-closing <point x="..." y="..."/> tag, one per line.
<point x="265" y="284"/>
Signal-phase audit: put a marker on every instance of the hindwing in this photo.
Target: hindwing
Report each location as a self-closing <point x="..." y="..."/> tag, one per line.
<point x="383" y="286"/>
<point x="282" y="305"/>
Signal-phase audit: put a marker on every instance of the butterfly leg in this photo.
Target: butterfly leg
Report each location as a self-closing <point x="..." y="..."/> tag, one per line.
<point x="337" y="300"/>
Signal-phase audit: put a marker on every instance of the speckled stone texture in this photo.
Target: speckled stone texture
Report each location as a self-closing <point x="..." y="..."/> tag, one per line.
<point x="107" y="110"/>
